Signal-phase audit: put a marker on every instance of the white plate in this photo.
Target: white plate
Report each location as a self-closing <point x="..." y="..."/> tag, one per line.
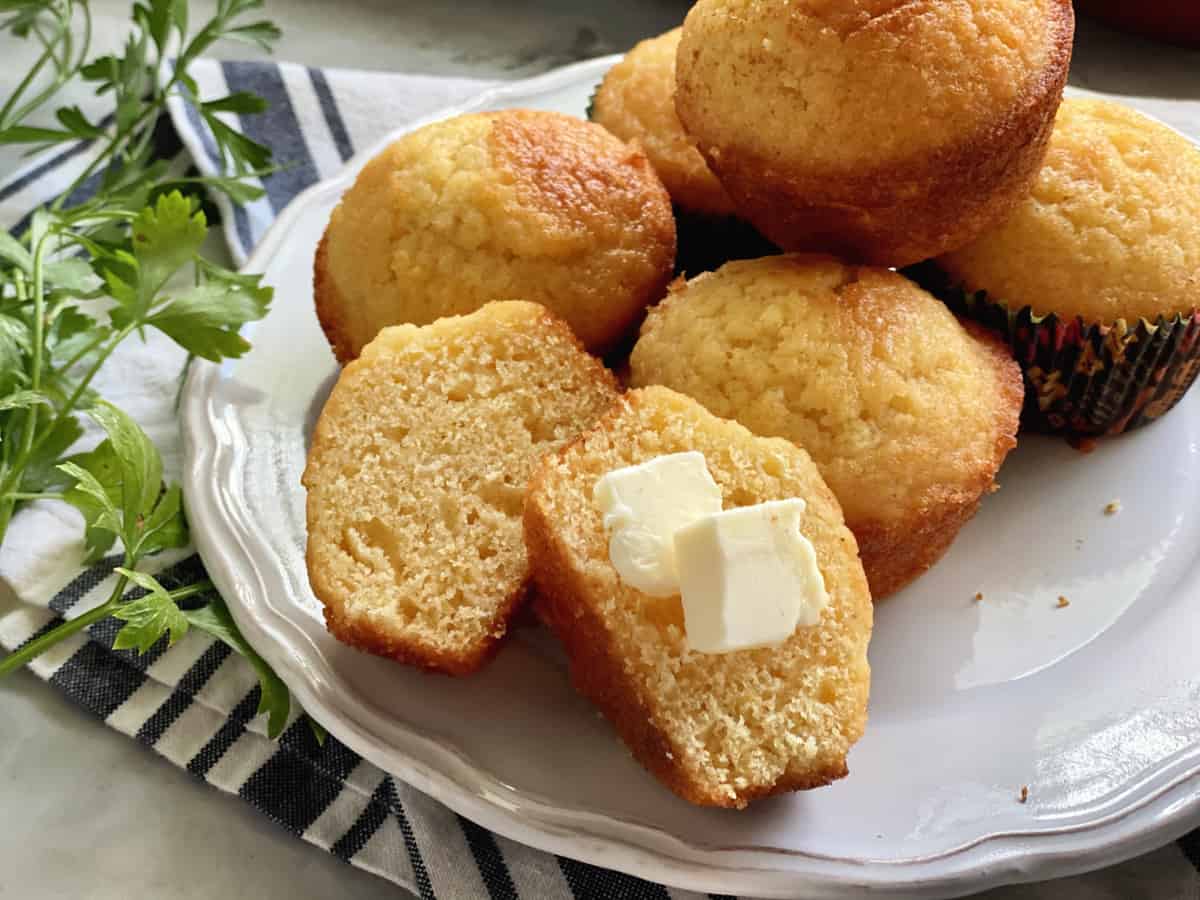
<point x="1095" y="707"/>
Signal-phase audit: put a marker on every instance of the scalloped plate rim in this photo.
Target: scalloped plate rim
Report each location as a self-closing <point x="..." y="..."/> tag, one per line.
<point x="645" y="851"/>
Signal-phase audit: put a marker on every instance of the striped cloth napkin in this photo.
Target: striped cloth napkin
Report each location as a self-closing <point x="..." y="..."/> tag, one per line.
<point x="194" y="703"/>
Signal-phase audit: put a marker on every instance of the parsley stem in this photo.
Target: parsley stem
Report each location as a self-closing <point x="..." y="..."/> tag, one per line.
<point x="39" y="313"/>
<point x="6" y="511"/>
<point x="65" y="68"/>
<point x="200" y="587"/>
<point x="37" y="647"/>
<point x="29" y="426"/>
<point x="18" y="465"/>
<point x="25" y="495"/>
<point x="7" y="118"/>
<point x="82" y="352"/>
<point x="109" y="153"/>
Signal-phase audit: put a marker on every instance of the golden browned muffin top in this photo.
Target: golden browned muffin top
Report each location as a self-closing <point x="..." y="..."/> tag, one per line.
<point x="517" y="204"/>
<point x="850" y="84"/>
<point x="1112" y="229"/>
<point x="636" y="102"/>
<point x="898" y="404"/>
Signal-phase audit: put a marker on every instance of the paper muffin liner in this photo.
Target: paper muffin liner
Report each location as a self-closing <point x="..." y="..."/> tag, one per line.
<point x="1084" y="379"/>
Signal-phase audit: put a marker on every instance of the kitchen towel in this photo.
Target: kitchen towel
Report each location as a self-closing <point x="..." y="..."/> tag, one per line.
<point x="194" y="703"/>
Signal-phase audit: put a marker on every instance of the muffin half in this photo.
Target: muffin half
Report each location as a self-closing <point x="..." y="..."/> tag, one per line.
<point x="517" y="204"/>
<point x="416" y="479"/>
<point x="883" y="131"/>
<point x="907" y="413"/>
<point x="717" y="729"/>
<point x="1095" y="277"/>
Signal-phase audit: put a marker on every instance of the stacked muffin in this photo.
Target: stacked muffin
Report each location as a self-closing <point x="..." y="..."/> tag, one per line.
<point x="962" y="252"/>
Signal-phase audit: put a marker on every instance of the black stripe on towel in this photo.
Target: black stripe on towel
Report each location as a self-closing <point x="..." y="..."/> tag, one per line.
<point x="83" y="583"/>
<point x="182" y="693"/>
<point x="490" y="861"/>
<point x="50" y="164"/>
<point x="589" y="883"/>
<point x="420" y="873"/>
<point x="284" y="787"/>
<point x="277" y="128"/>
<point x="368" y="822"/>
<point x="97" y="679"/>
<point x="241" y="219"/>
<point x="333" y="115"/>
<point x="231" y="729"/>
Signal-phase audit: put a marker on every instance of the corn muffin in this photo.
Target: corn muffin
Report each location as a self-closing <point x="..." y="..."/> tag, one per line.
<point x="1094" y="278"/>
<point x="636" y="102"/>
<point x="417" y="474"/>
<point x="508" y="205"/>
<point x="718" y="730"/>
<point x="884" y="131"/>
<point x="907" y="413"/>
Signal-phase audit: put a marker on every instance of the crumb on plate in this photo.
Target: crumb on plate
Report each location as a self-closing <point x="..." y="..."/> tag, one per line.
<point x="1024" y="794"/>
<point x="1063" y="602"/>
<point x="1112" y="508"/>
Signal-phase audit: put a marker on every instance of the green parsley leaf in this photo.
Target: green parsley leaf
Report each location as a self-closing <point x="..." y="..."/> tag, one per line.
<point x="140" y="467"/>
<point x="165" y="527"/>
<point x="73" y="119"/>
<point x="275" y="700"/>
<point x="166" y="237"/>
<point x="240" y="102"/>
<point x="102" y="69"/>
<point x="205" y="320"/>
<point x="235" y="187"/>
<point x="14" y="252"/>
<point x="42" y="472"/>
<point x="240" y="151"/>
<point x="96" y="500"/>
<point x="318" y="730"/>
<point x="260" y="34"/>
<point x="148" y="618"/>
<point x="28" y="134"/>
<point x="14" y="344"/>
<point x="157" y="19"/>
<point x="24" y="400"/>
<point x="72" y="332"/>
<point x="71" y="275"/>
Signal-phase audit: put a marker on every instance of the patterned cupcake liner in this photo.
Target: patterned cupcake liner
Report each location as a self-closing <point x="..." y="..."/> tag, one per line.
<point x="1085" y="379"/>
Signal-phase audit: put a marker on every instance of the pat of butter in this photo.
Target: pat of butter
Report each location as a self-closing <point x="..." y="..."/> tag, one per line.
<point x="748" y="577"/>
<point x="643" y="507"/>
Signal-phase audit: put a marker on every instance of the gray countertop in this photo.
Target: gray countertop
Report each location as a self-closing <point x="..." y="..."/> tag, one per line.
<point x="89" y="813"/>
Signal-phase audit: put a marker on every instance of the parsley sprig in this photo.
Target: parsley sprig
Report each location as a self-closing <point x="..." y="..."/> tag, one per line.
<point x="115" y="256"/>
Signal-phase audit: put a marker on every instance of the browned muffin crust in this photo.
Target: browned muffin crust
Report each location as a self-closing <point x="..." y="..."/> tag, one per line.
<point x="597" y="673"/>
<point x="896" y="555"/>
<point x="907" y="412"/>
<point x="895" y="211"/>
<point x="515" y="204"/>
<point x="329" y="305"/>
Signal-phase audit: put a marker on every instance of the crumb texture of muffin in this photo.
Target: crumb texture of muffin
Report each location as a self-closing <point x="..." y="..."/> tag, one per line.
<point x="417" y="474"/>
<point x="906" y="412"/>
<point x="636" y="102"/>
<point x="719" y="730"/>
<point x="1111" y="230"/>
<point x="511" y="205"/>
<point x="886" y="131"/>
